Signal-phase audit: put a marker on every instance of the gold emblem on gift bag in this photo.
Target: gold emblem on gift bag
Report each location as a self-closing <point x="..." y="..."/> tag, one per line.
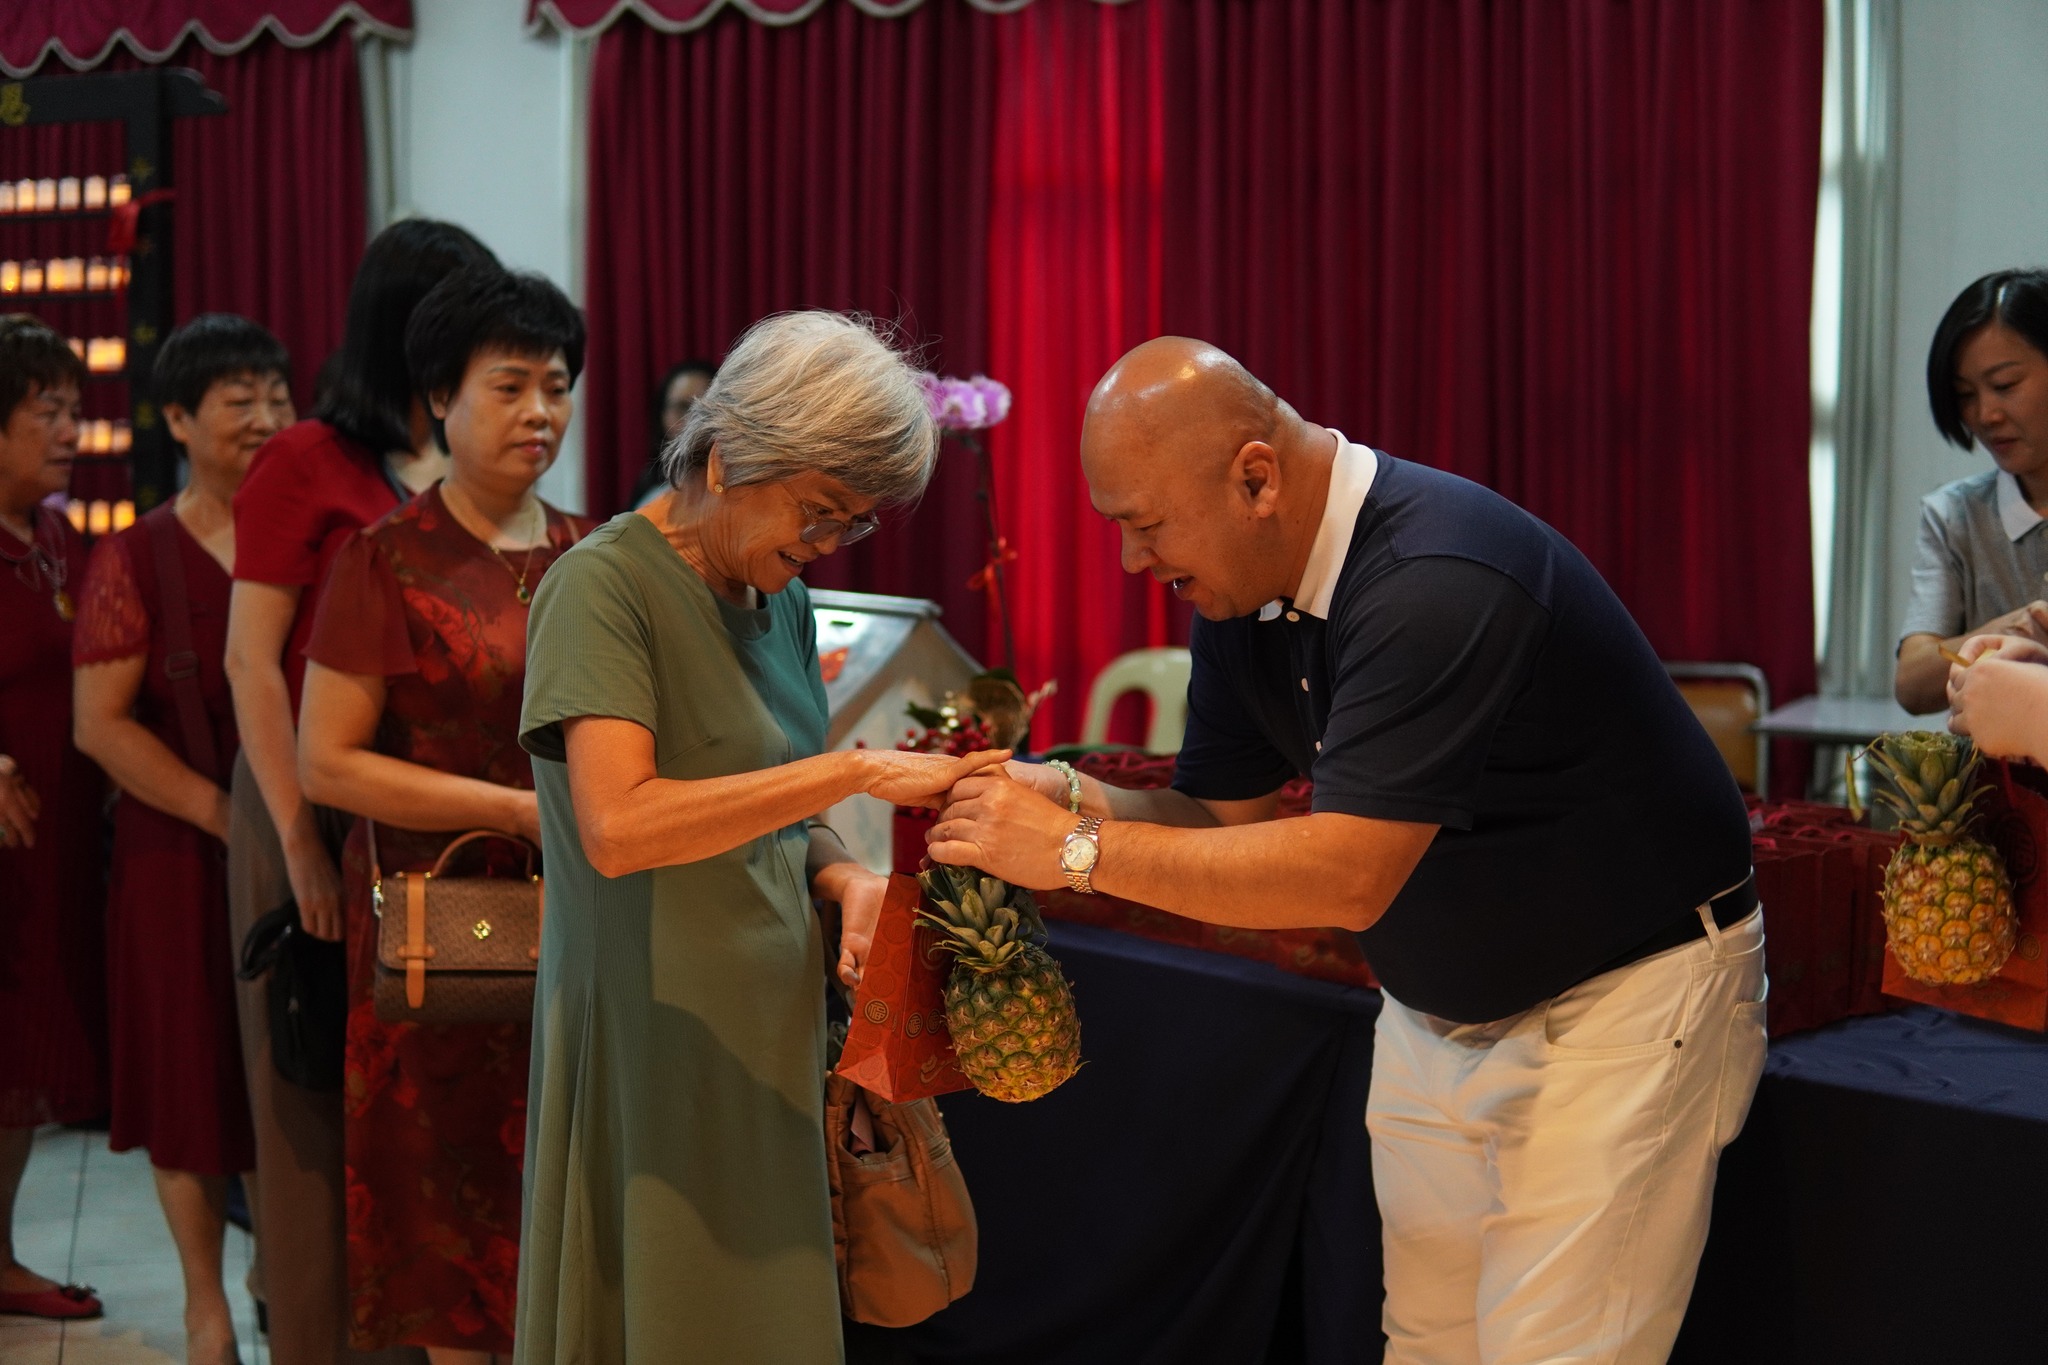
<point x="13" y="108"/>
<point x="482" y="930"/>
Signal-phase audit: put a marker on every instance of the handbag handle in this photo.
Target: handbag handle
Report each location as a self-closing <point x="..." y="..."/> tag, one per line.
<point x="377" y="866"/>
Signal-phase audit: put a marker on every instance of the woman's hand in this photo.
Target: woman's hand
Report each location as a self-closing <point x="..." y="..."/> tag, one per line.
<point x="19" y="806"/>
<point x="907" y="779"/>
<point x="859" y="894"/>
<point x="316" y="885"/>
<point x="2000" y="697"/>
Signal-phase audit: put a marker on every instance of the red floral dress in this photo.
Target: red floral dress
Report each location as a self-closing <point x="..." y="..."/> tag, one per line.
<point x="177" y="1049"/>
<point x="53" y="990"/>
<point x="435" y="1115"/>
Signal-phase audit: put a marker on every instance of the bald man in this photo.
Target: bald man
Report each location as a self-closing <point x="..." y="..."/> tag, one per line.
<point x="1543" y="855"/>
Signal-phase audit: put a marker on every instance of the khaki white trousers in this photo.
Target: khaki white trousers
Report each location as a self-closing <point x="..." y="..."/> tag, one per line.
<point x="1544" y="1181"/>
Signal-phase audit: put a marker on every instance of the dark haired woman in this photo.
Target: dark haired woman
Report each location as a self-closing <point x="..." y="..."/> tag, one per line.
<point x="411" y="719"/>
<point x="1983" y="552"/>
<point x="678" y="392"/>
<point x="152" y="707"/>
<point x="311" y="488"/>
<point x="52" y="974"/>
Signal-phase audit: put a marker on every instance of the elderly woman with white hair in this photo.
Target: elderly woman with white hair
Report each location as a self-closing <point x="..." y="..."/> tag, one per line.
<point x="676" y="1199"/>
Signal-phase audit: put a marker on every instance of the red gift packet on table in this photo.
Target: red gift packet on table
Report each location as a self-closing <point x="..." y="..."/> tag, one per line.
<point x="2016" y="824"/>
<point x="897" y="1045"/>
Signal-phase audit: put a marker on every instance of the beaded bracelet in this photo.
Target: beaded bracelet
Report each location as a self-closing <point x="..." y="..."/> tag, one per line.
<point x="1073" y="782"/>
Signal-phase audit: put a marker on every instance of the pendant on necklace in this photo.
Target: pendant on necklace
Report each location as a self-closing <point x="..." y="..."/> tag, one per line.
<point x="61" y="600"/>
<point x="520" y="592"/>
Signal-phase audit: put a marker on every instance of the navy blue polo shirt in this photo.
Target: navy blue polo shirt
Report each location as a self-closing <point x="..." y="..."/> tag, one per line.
<point x="1476" y="673"/>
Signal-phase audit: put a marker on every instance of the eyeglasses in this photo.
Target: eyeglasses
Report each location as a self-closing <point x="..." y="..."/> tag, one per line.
<point x="820" y="525"/>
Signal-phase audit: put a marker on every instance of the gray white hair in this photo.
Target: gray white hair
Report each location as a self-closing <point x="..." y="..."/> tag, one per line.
<point x="813" y="392"/>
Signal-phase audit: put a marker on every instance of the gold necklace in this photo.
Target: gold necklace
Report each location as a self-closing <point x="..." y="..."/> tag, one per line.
<point x="39" y="567"/>
<point x="520" y="590"/>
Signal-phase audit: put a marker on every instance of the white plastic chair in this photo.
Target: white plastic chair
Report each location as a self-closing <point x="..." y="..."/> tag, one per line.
<point x="1162" y="675"/>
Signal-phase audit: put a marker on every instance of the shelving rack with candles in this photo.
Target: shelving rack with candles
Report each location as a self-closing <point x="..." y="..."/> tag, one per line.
<point x="88" y="248"/>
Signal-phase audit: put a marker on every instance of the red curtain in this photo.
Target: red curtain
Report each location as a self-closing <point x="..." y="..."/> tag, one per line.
<point x="269" y="219"/>
<point x="743" y="170"/>
<point x="1075" y="280"/>
<point x="1562" y="247"/>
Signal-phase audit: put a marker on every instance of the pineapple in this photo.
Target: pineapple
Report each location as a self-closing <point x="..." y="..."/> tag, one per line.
<point x="1948" y="907"/>
<point x="1008" y="1005"/>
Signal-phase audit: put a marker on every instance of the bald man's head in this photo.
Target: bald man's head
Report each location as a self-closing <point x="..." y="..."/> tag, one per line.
<point x="1179" y="399"/>
<point x="1210" y="476"/>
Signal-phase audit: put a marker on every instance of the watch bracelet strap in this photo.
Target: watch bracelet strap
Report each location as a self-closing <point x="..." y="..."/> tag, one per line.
<point x="1084" y="882"/>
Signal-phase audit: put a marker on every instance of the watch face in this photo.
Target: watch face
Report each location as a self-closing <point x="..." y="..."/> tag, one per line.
<point x="1078" y="853"/>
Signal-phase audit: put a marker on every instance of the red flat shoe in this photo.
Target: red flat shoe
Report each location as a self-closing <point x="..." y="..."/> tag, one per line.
<point x="70" y="1301"/>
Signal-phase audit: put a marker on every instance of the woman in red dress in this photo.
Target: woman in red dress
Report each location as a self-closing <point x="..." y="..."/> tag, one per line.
<point x="310" y="489"/>
<point x="411" y="719"/>
<point x="151" y="697"/>
<point x="52" y="975"/>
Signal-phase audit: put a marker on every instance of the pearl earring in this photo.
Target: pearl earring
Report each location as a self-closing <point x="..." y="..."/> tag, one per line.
<point x="718" y="488"/>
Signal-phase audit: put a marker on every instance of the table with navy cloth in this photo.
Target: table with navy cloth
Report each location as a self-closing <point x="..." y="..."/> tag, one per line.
<point x="1201" y="1192"/>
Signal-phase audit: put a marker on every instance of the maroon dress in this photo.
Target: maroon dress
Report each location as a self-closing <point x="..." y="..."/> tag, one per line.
<point x="53" y="995"/>
<point x="177" y="1052"/>
<point x="436" y="1115"/>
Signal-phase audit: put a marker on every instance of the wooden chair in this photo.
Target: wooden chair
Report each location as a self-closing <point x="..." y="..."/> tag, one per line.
<point x="1162" y="675"/>
<point x="1729" y="700"/>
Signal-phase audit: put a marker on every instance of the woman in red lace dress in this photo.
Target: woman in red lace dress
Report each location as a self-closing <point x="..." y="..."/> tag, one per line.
<point x="411" y="718"/>
<point x="153" y="707"/>
<point x="52" y="976"/>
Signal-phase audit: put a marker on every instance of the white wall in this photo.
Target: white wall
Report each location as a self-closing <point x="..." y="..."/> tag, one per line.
<point x="486" y="127"/>
<point x="1973" y="197"/>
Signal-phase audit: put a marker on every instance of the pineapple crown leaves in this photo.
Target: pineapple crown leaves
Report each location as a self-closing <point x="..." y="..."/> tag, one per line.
<point x="1928" y="777"/>
<point x="987" y="923"/>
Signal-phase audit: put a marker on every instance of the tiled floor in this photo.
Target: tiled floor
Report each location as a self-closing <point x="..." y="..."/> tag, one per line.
<point x="90" y="1216"/>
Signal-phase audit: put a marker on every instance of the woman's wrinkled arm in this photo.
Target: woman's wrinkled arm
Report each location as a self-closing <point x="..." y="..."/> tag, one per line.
<point x="629" y="818"/>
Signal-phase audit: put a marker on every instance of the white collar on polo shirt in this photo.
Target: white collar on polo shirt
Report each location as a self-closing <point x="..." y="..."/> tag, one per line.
<point x="2014" y="512"/>
<point x="1351" y="475"/>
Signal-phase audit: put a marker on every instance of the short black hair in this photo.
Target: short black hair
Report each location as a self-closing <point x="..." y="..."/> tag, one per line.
<point x="2012" y="298"/>
<point x="368" y="395"/>
<point x="486" y="307"/>
<point x="658" y="400"/>
<point x="210" y="348"/>
<point x="33" y="359"/>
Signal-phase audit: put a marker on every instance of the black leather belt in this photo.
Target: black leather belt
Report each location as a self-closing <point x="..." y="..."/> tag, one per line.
<point x="1729" y="909"/>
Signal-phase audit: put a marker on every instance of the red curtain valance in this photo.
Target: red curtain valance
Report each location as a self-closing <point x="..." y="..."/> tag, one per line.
<point x="678" y="16"/>
<point x="81" y="33"/>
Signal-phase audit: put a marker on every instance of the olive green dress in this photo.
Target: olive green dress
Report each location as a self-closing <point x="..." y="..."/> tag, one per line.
<point x="677" y="1210"/>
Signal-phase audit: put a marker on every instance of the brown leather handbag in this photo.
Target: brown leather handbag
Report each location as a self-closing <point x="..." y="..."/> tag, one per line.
<point x="456" y="950"/>
<point x="902" y="1225"/>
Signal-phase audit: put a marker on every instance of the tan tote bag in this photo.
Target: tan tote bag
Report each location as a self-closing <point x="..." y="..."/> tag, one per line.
<point x="902" y="1224"/>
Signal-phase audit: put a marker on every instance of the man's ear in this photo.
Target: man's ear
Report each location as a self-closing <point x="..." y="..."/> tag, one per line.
<point x="437" y="405"/>
<point x="178" y="422"/>
<point x="1256" y="471"/>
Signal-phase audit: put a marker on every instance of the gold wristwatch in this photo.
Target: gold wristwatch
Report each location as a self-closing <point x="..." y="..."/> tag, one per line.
<point x="1079" y="854"/>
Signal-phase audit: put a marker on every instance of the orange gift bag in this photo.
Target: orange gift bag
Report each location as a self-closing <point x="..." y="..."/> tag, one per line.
<point x="897" y="1046"/>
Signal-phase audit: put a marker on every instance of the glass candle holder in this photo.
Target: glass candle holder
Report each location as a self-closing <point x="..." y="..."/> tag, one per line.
<point x="10" y="277"/>
<point x="24" y="196"/>
<point x="95" y="195"/>
<point x="96" y="274"/>
<point x="74" y="512"/>
<point x="31" y="277"/>
<point x="6" y="196"/>
<point x="68" y="194"/>
<point x="124" y="438"/>
<point x="124" y="515"/>
<point x="118" y="192"/>
<point x="46" y="195"/>
<point x="99" y="518"/>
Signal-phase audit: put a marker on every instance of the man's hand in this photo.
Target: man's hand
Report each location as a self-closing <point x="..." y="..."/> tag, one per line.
<point x="1008" y="830"/>
<point x="19" y="807"/>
